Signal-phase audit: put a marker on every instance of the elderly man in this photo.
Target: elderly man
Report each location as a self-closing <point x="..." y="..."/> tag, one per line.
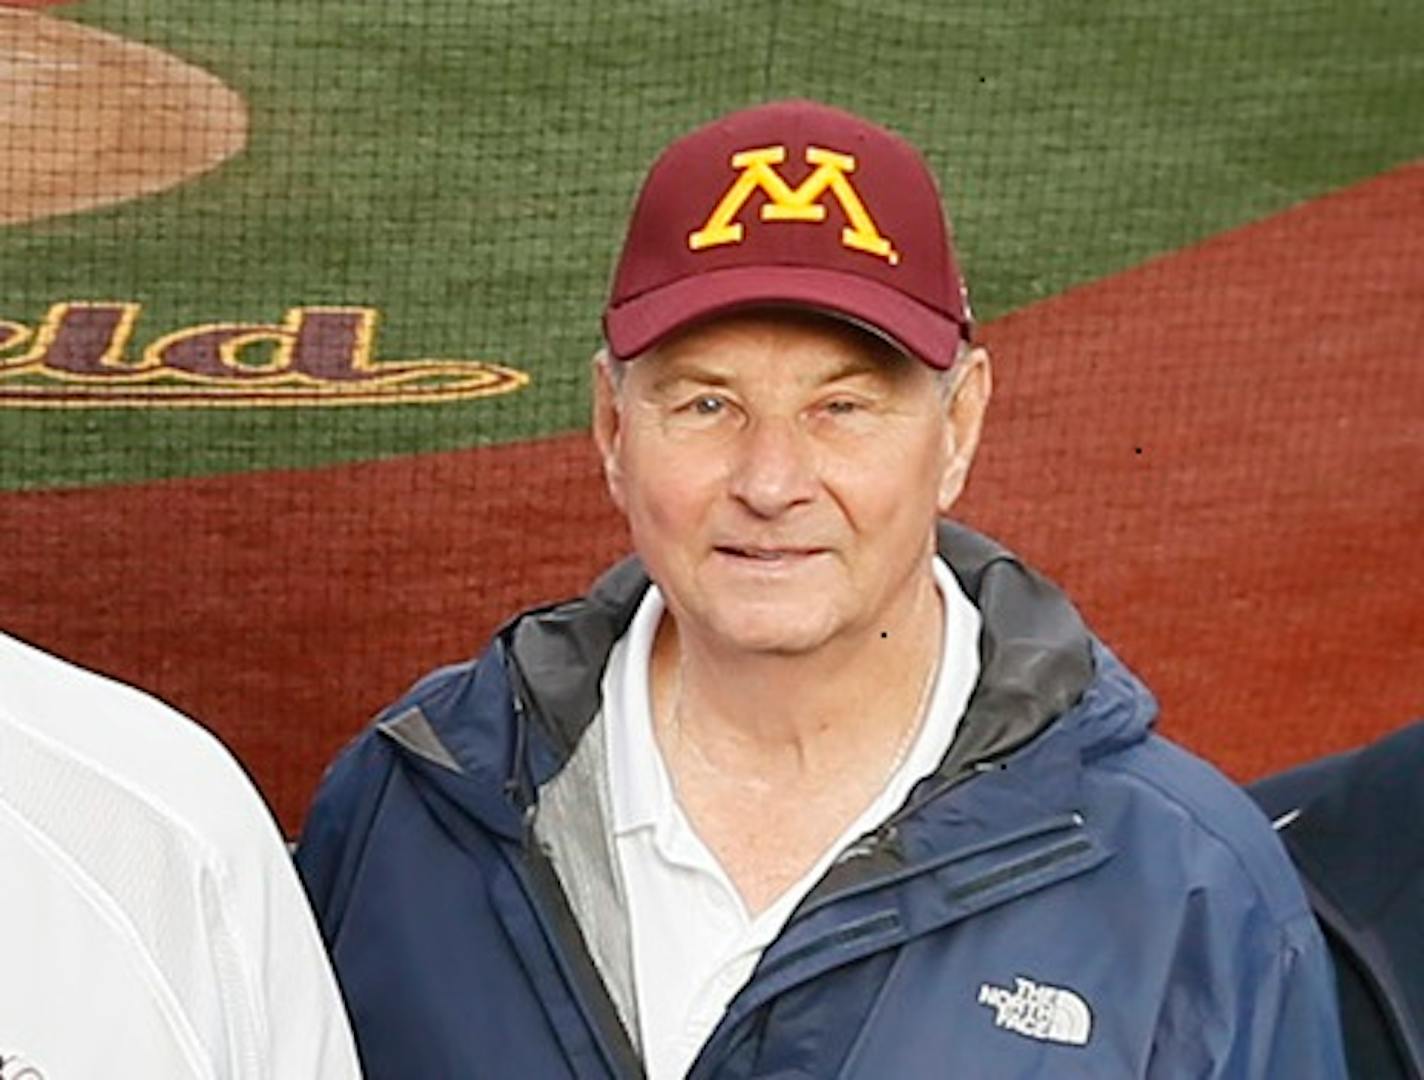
<point x="818" y="785"/>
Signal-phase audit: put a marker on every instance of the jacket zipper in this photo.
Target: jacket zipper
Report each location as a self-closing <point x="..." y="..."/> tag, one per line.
<point x="544" y="893"/>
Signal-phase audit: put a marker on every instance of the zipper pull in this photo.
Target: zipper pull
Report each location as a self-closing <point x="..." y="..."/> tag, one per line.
<point x="867" y="846"/>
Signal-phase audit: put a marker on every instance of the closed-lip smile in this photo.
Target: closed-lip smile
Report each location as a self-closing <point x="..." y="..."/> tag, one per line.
<point x="766" y="554"/>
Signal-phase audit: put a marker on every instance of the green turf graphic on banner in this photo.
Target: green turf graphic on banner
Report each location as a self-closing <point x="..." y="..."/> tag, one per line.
<point x="465" y="169"/>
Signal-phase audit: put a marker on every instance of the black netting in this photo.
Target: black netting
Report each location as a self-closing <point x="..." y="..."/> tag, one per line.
<point x="238" y="238"/>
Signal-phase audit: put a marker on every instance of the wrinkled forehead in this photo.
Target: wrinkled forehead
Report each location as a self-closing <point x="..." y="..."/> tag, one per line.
<point x="776" y="337"/>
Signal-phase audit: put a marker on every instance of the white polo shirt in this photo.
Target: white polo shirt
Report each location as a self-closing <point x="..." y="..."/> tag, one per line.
<point x="151" y="922"/>
<point x="694" y="942"/>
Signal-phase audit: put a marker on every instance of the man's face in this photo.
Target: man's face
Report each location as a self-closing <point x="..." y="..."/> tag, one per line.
<point x="782" y="474"/>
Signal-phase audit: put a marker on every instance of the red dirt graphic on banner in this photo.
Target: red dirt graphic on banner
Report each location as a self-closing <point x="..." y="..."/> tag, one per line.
<point x="1265" y="578"/>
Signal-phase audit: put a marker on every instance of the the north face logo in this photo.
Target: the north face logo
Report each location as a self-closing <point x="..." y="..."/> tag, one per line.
<point x="1048" y="1013"/>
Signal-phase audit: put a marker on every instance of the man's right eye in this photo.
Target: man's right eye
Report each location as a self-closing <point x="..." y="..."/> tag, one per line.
<point x="701" y="412"/>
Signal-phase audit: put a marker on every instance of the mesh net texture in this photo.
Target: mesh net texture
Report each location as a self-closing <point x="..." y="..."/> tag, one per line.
<point x="296" y="303"/>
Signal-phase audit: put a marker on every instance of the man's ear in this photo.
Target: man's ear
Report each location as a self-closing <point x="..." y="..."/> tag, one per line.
<point x="607" y="424"/>
<point x="968" y="400"/>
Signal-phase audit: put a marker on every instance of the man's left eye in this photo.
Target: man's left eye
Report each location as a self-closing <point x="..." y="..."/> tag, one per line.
<point x="708" y="405"/>
<point x="842" y="407"/>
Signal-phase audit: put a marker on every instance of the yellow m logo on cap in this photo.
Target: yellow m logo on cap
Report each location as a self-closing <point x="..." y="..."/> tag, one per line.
<point x="785" y="203"/>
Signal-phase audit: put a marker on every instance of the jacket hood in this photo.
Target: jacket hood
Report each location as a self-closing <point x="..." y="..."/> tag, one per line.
<point x="1038" y="663"/>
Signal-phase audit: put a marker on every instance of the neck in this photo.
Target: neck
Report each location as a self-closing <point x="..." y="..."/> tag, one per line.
<point x="855" y="701"/>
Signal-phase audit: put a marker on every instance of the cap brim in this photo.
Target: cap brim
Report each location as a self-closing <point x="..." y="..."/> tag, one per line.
<point x="636" y="325"/>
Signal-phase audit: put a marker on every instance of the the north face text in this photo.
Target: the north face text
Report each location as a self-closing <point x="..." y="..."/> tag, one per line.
<point x="1048" y="1013"/>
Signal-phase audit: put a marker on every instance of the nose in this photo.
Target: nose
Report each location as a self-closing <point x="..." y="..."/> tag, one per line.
<point x="774" y="468"/>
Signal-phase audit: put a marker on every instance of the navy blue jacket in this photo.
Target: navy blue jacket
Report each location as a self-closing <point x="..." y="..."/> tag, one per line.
<point x="1068" y="895"/>
<point x="1354" y="824"/>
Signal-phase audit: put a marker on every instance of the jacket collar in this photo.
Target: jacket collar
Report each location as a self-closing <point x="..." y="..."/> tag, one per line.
<point x="1034" y="650"/>
<point x="1035" y="653"/>
<point x="517" y="720"/>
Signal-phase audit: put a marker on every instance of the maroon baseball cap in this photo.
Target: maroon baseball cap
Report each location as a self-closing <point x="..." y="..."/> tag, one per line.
<point x="790" y="203"/>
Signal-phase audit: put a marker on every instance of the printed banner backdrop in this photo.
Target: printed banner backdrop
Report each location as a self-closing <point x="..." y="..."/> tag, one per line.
<point x="297" y="301"/>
